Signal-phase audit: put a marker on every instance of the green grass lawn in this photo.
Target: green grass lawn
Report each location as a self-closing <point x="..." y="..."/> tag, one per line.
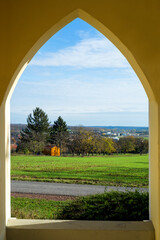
<point x="27" y="208"/>
<point x="117" y="170"/>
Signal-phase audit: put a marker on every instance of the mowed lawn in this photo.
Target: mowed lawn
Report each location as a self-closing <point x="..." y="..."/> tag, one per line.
<point x="117" y="170"/>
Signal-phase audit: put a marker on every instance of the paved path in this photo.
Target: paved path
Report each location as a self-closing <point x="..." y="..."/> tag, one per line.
<point x="62" y="188"/>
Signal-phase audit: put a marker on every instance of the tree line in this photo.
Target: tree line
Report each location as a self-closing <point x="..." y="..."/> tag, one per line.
<point x="40" y="134"/>
<point x="85" y="142"/>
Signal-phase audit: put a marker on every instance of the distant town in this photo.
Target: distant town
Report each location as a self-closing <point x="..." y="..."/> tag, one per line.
<point x="114" y="132"/>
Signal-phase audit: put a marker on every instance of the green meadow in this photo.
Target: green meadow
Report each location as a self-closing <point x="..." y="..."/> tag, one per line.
<point x="127" y="170"/>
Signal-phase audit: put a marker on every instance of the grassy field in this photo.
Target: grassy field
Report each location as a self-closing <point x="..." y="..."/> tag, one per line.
<point x="27" y="208"/>
<point x="117" y="170"/>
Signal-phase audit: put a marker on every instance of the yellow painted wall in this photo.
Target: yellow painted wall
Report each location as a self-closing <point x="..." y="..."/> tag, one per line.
<point x="132" y="25"/>
<point x="78" y="230"/>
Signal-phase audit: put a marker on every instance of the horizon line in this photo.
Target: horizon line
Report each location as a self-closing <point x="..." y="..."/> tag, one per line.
<point x="80" y="125"/>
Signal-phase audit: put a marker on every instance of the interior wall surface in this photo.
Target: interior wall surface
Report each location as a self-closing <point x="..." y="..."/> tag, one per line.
<point x="133" y="26"/>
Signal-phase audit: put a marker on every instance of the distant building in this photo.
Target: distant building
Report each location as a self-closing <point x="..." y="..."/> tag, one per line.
<point x="55" y="151"/>
<point x="51" y="151"/>
<point x="108" y="133"/>
<point x="13" y="147"/>
<point x="115" y="138"/>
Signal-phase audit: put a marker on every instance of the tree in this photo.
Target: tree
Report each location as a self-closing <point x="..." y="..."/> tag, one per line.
<point x="81" y="141"/>
<point x="126" y="144"/>
<point x="59" y="133"/>
<point x="141" y="145"/>
<point x="35" y="135"/>
<point x="84" y="142"/>
<point x="108" y="146"/>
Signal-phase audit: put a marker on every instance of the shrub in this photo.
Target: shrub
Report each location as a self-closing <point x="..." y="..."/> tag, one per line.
<point x="115" y="206"/>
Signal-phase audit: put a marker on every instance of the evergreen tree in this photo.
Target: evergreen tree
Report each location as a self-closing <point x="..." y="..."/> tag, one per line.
<point x="35" y="135"/>
<point x="59" y="133"/>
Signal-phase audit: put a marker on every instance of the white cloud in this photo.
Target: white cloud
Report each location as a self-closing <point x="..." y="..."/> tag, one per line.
<point x="96" y="52"/>
<point x="75" y="96"/>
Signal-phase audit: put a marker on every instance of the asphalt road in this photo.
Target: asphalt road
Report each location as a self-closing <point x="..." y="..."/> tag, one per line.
<point x="63" y="188"/>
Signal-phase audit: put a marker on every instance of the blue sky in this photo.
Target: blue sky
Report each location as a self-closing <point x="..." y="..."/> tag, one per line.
<point x="80" y="75"/>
